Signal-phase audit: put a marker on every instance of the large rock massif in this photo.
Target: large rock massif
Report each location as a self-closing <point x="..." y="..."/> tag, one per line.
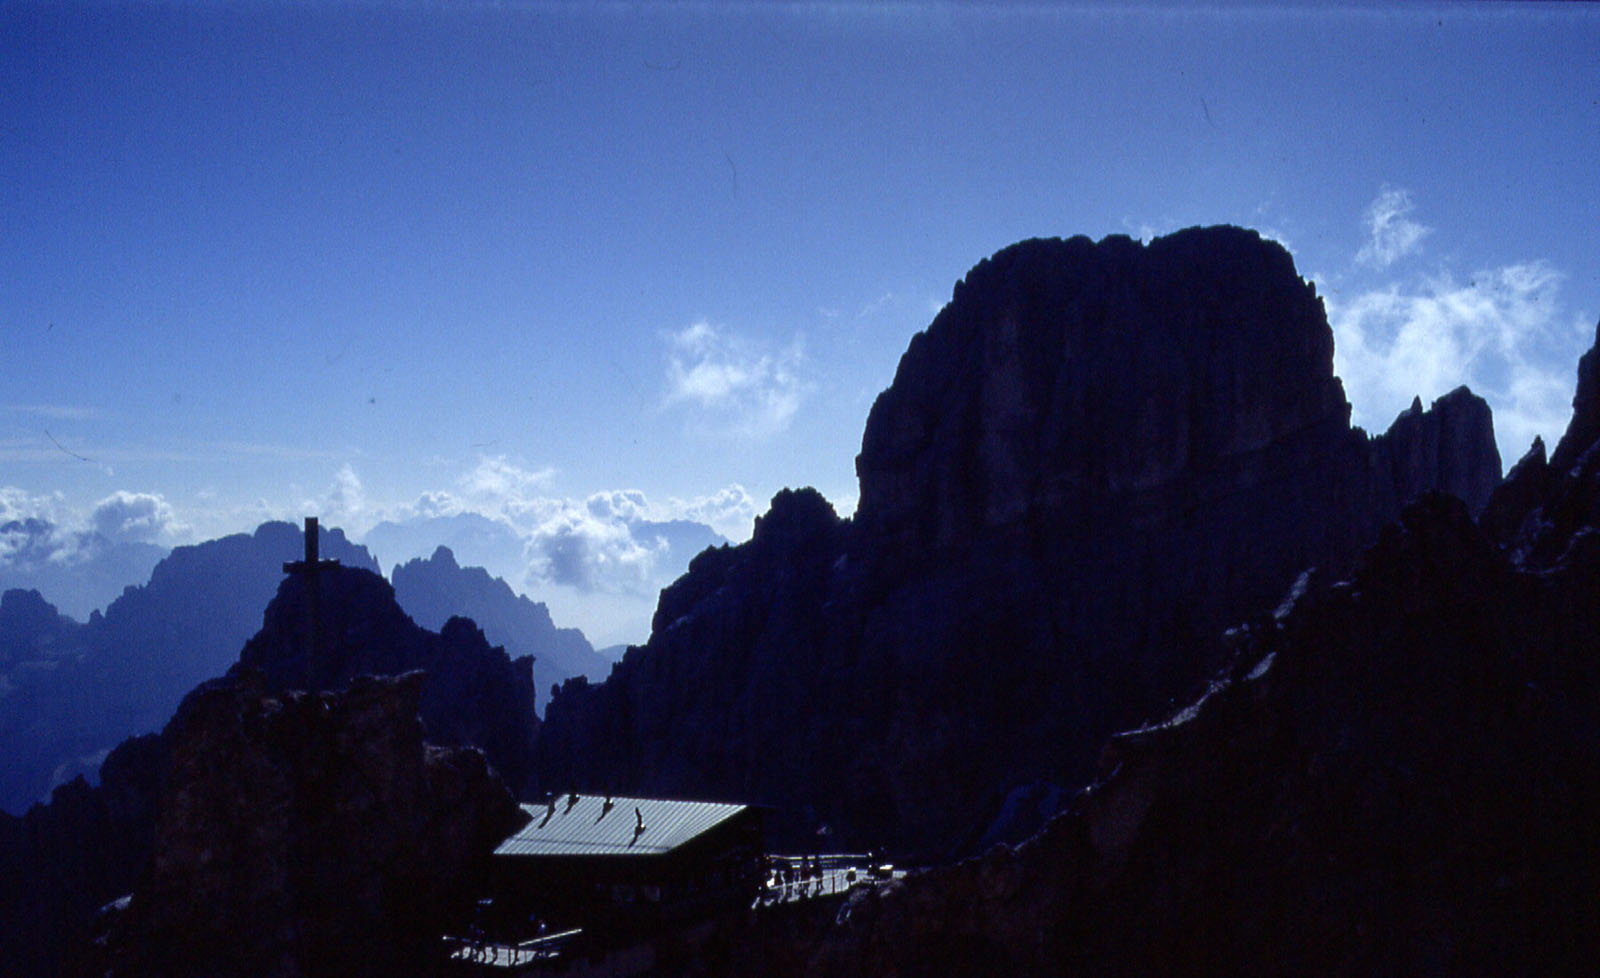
<point x="1399" y="773"/>
<point x="1096" y="458"/>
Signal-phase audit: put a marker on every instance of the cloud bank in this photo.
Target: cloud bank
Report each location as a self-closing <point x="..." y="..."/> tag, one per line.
<point x="136" y="517"/>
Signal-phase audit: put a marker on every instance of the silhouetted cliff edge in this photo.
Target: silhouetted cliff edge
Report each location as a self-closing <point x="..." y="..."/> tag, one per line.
<point x="1397" y="773"/>
<point x="1096" y="458"/>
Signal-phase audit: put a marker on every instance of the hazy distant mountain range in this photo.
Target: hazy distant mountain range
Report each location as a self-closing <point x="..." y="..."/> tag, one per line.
<point x="435" y="590"/>
<point x="598" y="565"/>
<point x="80" y="572"/>
<point x="71" y="690"/>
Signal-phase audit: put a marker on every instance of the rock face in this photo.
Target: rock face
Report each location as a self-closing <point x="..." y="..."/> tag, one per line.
<point x="1396" y="775"/>
<point x="435" y="590"/>
<point x="1545" y="507"/>
<point x="31" y="630"/>
<point x="281" y="784"/>
<point x="61" y="861"/>
<point x="474" y="694"/>
<point x="306" y="834"/>
<point x="1095" y="459"/>
<point x="124" y="672"/>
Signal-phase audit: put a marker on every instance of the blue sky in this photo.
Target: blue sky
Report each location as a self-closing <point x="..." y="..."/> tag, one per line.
<point x="381" y="259"/>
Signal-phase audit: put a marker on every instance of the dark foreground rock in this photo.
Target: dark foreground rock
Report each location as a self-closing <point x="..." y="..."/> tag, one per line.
<point x="256" y="737"/>
<point x="1096" y="458"/>
<point x="61" y="861"/>
<point x="306" y="834"/>
<point x="1399" y="774"/>
<point x="347" y="624"/>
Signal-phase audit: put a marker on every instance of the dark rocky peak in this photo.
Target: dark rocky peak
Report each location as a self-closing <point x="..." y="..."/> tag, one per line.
<point x="323" y="632"/>
<point x="1449" y="447"/>
<point x="131" y="665"/>
<point x="287" y="808"/>
<point x="795" y="519"/>
<point x="1583" y="431"/>
<point x="799" y="530"/>
<point x="1541" y="507"/>
<point x="1063" y="372"/>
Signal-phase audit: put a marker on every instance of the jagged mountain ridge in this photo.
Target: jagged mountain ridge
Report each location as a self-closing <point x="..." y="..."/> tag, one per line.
<point x="1096" y="457"/>
<point x="81" y="571"/>
<point x="70" y="690"/>
<point x="435" y="590"/>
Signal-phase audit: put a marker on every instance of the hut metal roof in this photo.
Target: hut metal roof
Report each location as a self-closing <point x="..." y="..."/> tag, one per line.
<point x="585" y="827"/>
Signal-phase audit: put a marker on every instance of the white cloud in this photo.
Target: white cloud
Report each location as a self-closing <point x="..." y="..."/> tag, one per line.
<point x="876" y="305"/>
<point x="436" y="504"/>
<point x="496" y="477"/>
<point x="41" y="534"/>
<point x="576" y="548"/>
<point x="343" y="505"/>
<point x="29" y="529"/>
<point x="731" y="511"/>
<point x="740" y="388"/>
<point x="135" y="517"/>
<point x="1391" y="234"/>
<point x="607" y="543"/>
<point x="346" y="501"/>
<point x="618" y="504"/>
<point x="1503" y="333"/>
<point x="19" y="504"/>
